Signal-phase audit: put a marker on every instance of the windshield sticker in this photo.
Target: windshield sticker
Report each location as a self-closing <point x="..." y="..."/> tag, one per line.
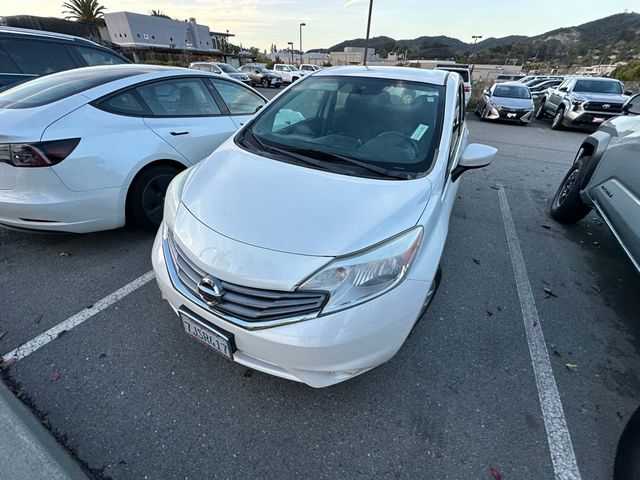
<point x="419" y="132"/>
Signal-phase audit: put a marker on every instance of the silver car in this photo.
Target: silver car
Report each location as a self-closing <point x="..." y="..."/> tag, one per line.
<point x="509" y="101"/>
<point x="606" y="176"/>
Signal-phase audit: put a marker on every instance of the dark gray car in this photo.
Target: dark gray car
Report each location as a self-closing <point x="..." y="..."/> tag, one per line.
<point x="261" y="76"/>
<point x="510" y="101"/>
<point x="606" y="176"/>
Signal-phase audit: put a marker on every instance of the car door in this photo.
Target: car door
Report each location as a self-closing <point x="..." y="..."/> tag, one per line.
<point x="615" y="186"/>
<point x="458" y="142"/>
<point x="556" y="96"/>
<point x="185" y="114"/>
<point x="240" y="101"/>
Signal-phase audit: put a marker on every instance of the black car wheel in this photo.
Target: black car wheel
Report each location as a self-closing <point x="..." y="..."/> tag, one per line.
<point x="265" y="82"/>
<point x="146" y="199"/>
<point x="558" y="119"/>
<point x="567" y="206"/>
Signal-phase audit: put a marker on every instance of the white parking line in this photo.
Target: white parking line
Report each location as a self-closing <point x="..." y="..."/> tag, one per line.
<point x="41" y="340"/>
<point x="562" y="455"/>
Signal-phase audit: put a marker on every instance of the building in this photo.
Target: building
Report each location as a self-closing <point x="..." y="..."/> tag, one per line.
<point x="352" y="56"/>
<point x="129" y="29"/>
<point x="598" y="70"/>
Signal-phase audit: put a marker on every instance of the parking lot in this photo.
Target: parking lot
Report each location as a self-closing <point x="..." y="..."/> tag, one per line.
<point x="133" y="397"/>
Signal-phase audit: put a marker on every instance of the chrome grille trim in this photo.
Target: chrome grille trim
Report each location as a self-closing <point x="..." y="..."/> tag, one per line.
<point x="247" y="307"/>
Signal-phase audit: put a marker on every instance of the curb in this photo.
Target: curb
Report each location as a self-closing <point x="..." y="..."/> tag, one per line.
<point x="27" y="449"/>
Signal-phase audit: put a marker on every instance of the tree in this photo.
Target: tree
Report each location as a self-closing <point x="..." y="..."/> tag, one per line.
<point x="159" y="13"/>
<point x="88" y="11"/>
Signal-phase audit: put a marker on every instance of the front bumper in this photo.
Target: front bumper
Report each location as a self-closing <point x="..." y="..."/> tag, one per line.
<point x="37" y="199"/>
<point x="321" y="351"/>
<point x="587" y="118"/>
<point x="509" y="115"/>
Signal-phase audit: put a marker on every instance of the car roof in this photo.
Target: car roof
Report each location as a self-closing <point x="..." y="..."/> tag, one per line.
<point x="437" y="77"/>
<point x="29" y="33"/>
<point x="600" y="79"/>
<point x="512" y="84"/>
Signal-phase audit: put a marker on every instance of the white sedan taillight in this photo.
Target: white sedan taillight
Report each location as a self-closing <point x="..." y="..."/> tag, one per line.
<point x="38" y="154"/>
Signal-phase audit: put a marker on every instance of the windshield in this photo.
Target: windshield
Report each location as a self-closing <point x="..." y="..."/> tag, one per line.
<point x="226" y="68"/>
<point x="598" y="86"/>
<point x="54" y="87"/>
<point x="511" y="91"/>
<point x="388" y="125"/>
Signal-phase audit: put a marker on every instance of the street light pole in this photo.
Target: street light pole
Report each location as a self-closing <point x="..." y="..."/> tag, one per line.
<point x="475" y="40"/>
<point x="291" y="50"/>
<point x="366" y="42"/>
<point x="301" y="25"/>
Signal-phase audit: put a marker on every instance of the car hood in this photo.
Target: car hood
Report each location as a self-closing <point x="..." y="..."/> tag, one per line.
<point x="512" y="102"/>
<point x="299" y="210"/>
<point x="240" y="76"/>
<point x="599" y="97"/>
<point x="28" y="124"/>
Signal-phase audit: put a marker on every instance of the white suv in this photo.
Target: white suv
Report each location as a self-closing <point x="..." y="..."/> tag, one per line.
<point x="289" y="73"/>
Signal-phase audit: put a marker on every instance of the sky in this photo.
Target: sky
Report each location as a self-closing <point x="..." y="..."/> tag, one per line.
<point x="261" y="23"/>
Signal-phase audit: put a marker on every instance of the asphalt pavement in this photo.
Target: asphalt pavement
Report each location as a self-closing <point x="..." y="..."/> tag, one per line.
<point x="132" y="397"/>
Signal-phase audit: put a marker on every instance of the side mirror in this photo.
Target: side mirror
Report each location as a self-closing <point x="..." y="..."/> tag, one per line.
<point x="474" y="156"/>
<point x="628" y="92"/>
<point x="563" y="89"/>
<point x="486" y="92"/>
<point x="256" y="71"/>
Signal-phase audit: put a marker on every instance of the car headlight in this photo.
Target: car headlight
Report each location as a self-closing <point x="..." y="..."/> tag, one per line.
<point x="172" y="201"/>
<point x="357" y="278"/>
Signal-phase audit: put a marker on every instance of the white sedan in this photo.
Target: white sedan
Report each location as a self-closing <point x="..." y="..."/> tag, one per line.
<point x="308" y="245"/>
<point x="87" y="149"/>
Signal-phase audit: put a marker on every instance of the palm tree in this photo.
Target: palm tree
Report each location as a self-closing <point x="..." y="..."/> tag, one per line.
<point x="89" y="11"/>
<point x="158" y="13"/>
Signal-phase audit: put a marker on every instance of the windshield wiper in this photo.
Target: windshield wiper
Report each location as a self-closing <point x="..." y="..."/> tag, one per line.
<point x="301" y="158"/>
<point x="305" y="155"/>
<point x="353" y="161"/>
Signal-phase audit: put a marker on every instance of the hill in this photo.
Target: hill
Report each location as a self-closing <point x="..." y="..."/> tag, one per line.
<point x="613" y="38"/>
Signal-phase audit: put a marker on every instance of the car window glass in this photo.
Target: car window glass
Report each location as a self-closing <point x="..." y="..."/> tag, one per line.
<point x="57" y="86"/>
<point x="183" y="97"/>
<point x="303" y="107"/>
<point x="39" y="58"/>
<point x="598" y="86"/>
<point x="239" y="99"/>
<point x="389" y="123"/>
<point x="279" y="67"/>
<point x="126" y="102"/>
<point x="6" y="64"/>
<point x="633" y="106"/>
<point x="511" y="91"/>
<point x="93" y="56"/>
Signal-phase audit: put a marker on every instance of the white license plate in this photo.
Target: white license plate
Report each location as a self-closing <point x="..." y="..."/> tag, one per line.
<point x="219" y="342"/>
<point x="598" y="119"/>
<point x="511" y="115"/>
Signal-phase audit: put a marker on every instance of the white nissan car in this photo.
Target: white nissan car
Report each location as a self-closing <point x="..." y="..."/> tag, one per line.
<point x="82" y="150"/>
<point x="308" y="245"/>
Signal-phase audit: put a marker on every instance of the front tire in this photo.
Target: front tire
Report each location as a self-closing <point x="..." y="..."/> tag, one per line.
<point x="146" y="199"/>
<point x="265" y="82"/>
<point x="558" y="119"/>
<point x="567" y="206"/>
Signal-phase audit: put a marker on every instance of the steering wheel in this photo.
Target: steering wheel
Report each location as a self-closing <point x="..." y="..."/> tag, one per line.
<point x="407" y="143"/>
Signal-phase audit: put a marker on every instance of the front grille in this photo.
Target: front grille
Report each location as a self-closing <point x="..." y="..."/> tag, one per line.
<point x="247" y="303"/>
<point x="599" y="107"/>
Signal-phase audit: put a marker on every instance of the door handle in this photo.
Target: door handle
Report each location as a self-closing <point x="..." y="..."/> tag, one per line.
<point x="175" y="134"/>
